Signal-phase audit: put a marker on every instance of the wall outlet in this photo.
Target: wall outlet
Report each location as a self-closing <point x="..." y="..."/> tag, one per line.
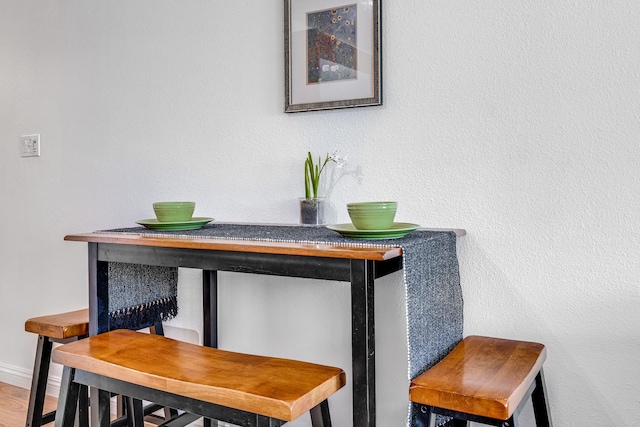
<point x="30" y="145"/>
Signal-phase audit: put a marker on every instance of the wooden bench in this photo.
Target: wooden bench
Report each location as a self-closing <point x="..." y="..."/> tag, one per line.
<point x="237" y="388"/>
<point x="58" y="328"/>
<point x="486" y="380"/>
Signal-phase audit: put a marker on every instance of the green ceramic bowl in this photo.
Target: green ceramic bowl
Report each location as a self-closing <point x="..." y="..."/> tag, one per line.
<point x="372" y="215"/>
<point x="174" y="211"/>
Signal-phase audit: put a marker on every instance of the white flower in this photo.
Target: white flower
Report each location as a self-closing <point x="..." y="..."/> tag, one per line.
<point x="313" y="171"/>
<point x="338" y="158"/>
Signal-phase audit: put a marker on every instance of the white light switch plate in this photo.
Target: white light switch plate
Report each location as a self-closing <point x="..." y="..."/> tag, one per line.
<point x="30" y="145"/>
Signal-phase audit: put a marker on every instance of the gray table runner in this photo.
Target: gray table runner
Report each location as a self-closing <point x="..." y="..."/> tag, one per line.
<point x="431" y="280"/>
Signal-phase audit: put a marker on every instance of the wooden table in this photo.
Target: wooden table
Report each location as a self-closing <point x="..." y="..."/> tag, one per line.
<point x="359" y="266"/>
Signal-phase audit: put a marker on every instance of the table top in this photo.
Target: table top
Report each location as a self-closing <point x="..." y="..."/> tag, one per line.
<point x="350" y="251"/>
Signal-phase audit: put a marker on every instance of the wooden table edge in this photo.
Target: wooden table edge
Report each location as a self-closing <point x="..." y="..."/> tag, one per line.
<point x="374" y="253"/>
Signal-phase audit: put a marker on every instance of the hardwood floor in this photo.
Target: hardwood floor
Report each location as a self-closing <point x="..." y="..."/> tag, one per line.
<point x="14" y="402"/>
<point x="13" y="405"/>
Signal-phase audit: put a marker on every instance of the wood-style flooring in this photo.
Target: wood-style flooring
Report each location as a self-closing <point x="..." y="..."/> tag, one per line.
<point x="14" y="402"/>
<point x="13" y="405"/>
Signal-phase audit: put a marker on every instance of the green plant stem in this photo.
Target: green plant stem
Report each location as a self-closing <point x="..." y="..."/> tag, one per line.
<point x="307" y="184"/>
<point x="312" y="175"/>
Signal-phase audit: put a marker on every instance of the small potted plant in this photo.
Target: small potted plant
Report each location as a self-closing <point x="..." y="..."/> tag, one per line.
<point x="312" y="207"/>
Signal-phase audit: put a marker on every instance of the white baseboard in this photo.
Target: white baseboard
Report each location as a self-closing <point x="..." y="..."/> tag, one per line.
<point x="20" y="377"/>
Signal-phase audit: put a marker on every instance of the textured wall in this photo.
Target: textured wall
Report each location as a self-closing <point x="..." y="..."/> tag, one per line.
<point x="518" y="121"/>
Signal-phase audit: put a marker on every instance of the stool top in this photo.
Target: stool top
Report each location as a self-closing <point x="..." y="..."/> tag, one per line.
<point x="60" y="326"/>
<point x="483" y="376"/>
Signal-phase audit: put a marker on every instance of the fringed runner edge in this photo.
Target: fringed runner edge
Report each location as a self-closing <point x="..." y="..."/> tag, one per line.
<point x="144" y="315"/>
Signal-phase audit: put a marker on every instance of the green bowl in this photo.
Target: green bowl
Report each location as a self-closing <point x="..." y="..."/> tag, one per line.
<point x="174" y="211"/>
<point x="372" y="215"/>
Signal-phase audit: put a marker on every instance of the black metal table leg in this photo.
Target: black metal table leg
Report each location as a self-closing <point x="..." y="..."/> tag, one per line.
<point x="363" y="343"/>
<point x="210" y="313"/>
<point x="98" y="292"/>
<point x="98" y="320"/>
<point x="210" y="307"/>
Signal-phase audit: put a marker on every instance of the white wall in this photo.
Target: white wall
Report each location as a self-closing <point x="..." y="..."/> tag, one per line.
<point x="518" y="121"/>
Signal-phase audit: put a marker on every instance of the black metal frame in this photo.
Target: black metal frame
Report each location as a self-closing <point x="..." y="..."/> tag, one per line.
<point x="360" y="273"/>
<point x="74" y="379"/>
<point x="423" y="414"/>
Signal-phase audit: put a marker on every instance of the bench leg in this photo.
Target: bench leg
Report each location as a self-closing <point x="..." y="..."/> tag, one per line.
<point x="39" y="382"/>
<point x="100" y="407"/>
<point x="135" y="411"/>
<point x="320" y="416"/>
<point x="83" y="406"/>
<point x="68" y="399"/>
<point x="541" y="403"/>
<point x="170" y="413"/>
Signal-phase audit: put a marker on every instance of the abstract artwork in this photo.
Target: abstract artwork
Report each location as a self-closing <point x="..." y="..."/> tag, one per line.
<point x="332" y="45"/>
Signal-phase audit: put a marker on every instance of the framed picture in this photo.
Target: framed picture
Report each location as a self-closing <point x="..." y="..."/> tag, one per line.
<point x="332" y="54"/>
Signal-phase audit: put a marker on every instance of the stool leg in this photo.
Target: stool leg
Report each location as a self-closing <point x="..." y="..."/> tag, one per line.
<point x="100" y="402"/>
<point x="39" y="382"/>
<point x="320" y="416"/>
<point x="68" y="399"/>
<point x="541" y="403"/>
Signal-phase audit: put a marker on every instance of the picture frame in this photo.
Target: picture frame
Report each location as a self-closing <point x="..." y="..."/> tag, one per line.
<point x="332" y="53"/>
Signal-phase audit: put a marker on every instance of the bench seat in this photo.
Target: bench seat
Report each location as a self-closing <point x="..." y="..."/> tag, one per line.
<point x="278" y="388"/>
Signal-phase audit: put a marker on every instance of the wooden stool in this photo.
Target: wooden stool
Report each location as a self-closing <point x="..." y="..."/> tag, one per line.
<point x="486" y="380"/>
<point x="58" y="328"/>
<point x="64" y="328"/>
<point x="237" y="388"/>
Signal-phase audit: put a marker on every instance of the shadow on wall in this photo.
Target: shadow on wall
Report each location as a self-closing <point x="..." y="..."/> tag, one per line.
<point x="585" y="366"/>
